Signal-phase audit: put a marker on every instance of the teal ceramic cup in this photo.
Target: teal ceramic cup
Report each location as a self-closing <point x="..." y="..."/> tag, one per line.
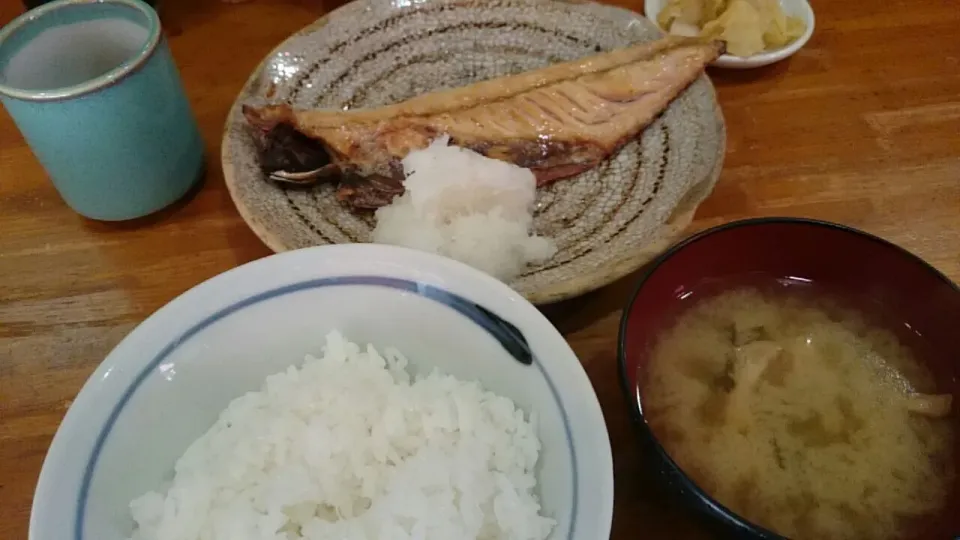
<point x="94" y="90"/>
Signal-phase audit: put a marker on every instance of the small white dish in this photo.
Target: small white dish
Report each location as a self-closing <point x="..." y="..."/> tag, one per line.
<point x="793" y="8"/>
<point x="166" y="383"/>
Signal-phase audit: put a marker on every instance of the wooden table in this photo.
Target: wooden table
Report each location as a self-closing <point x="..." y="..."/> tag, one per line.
<point x="862" y="127"/>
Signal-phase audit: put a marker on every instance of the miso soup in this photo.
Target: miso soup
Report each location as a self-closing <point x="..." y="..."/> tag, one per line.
<point x="800" y="417"/>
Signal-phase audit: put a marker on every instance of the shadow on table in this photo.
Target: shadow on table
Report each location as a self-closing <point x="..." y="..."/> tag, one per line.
<point x="581" y="312"/>
<point x="724" y="76"/>
<point x="208" y="197"/>
<point x="178" y="16"/>
<point x="643" y="505"/>
<point x="158" y="217"/>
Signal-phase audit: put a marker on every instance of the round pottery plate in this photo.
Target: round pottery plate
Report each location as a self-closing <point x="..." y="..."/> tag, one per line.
<point x="607" y="222"/>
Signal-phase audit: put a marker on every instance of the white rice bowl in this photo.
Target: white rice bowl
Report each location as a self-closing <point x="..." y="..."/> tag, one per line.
<point x="349" y="446"/>
<point x="166" y="383"/>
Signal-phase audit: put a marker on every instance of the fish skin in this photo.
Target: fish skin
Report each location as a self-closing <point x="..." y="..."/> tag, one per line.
<point x="558" y="121"/>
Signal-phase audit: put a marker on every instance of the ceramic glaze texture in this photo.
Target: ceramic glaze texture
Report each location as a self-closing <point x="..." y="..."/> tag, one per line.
<point x="607" y="221"/>
<point x="118" y="146"/>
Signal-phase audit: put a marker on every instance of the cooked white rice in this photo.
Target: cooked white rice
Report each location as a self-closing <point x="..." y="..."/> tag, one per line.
<point x="351" y="447"/>
<point x="468" y="207"/>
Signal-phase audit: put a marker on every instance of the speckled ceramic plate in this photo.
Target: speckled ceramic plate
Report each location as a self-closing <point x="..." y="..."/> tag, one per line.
<point x="607" y="222"/>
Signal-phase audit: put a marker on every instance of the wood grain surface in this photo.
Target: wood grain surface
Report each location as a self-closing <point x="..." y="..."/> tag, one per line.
<point x="861" y="127"/>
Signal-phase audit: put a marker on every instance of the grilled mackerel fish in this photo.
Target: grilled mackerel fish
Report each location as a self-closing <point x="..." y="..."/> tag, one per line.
<point x="557" y="121"/>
